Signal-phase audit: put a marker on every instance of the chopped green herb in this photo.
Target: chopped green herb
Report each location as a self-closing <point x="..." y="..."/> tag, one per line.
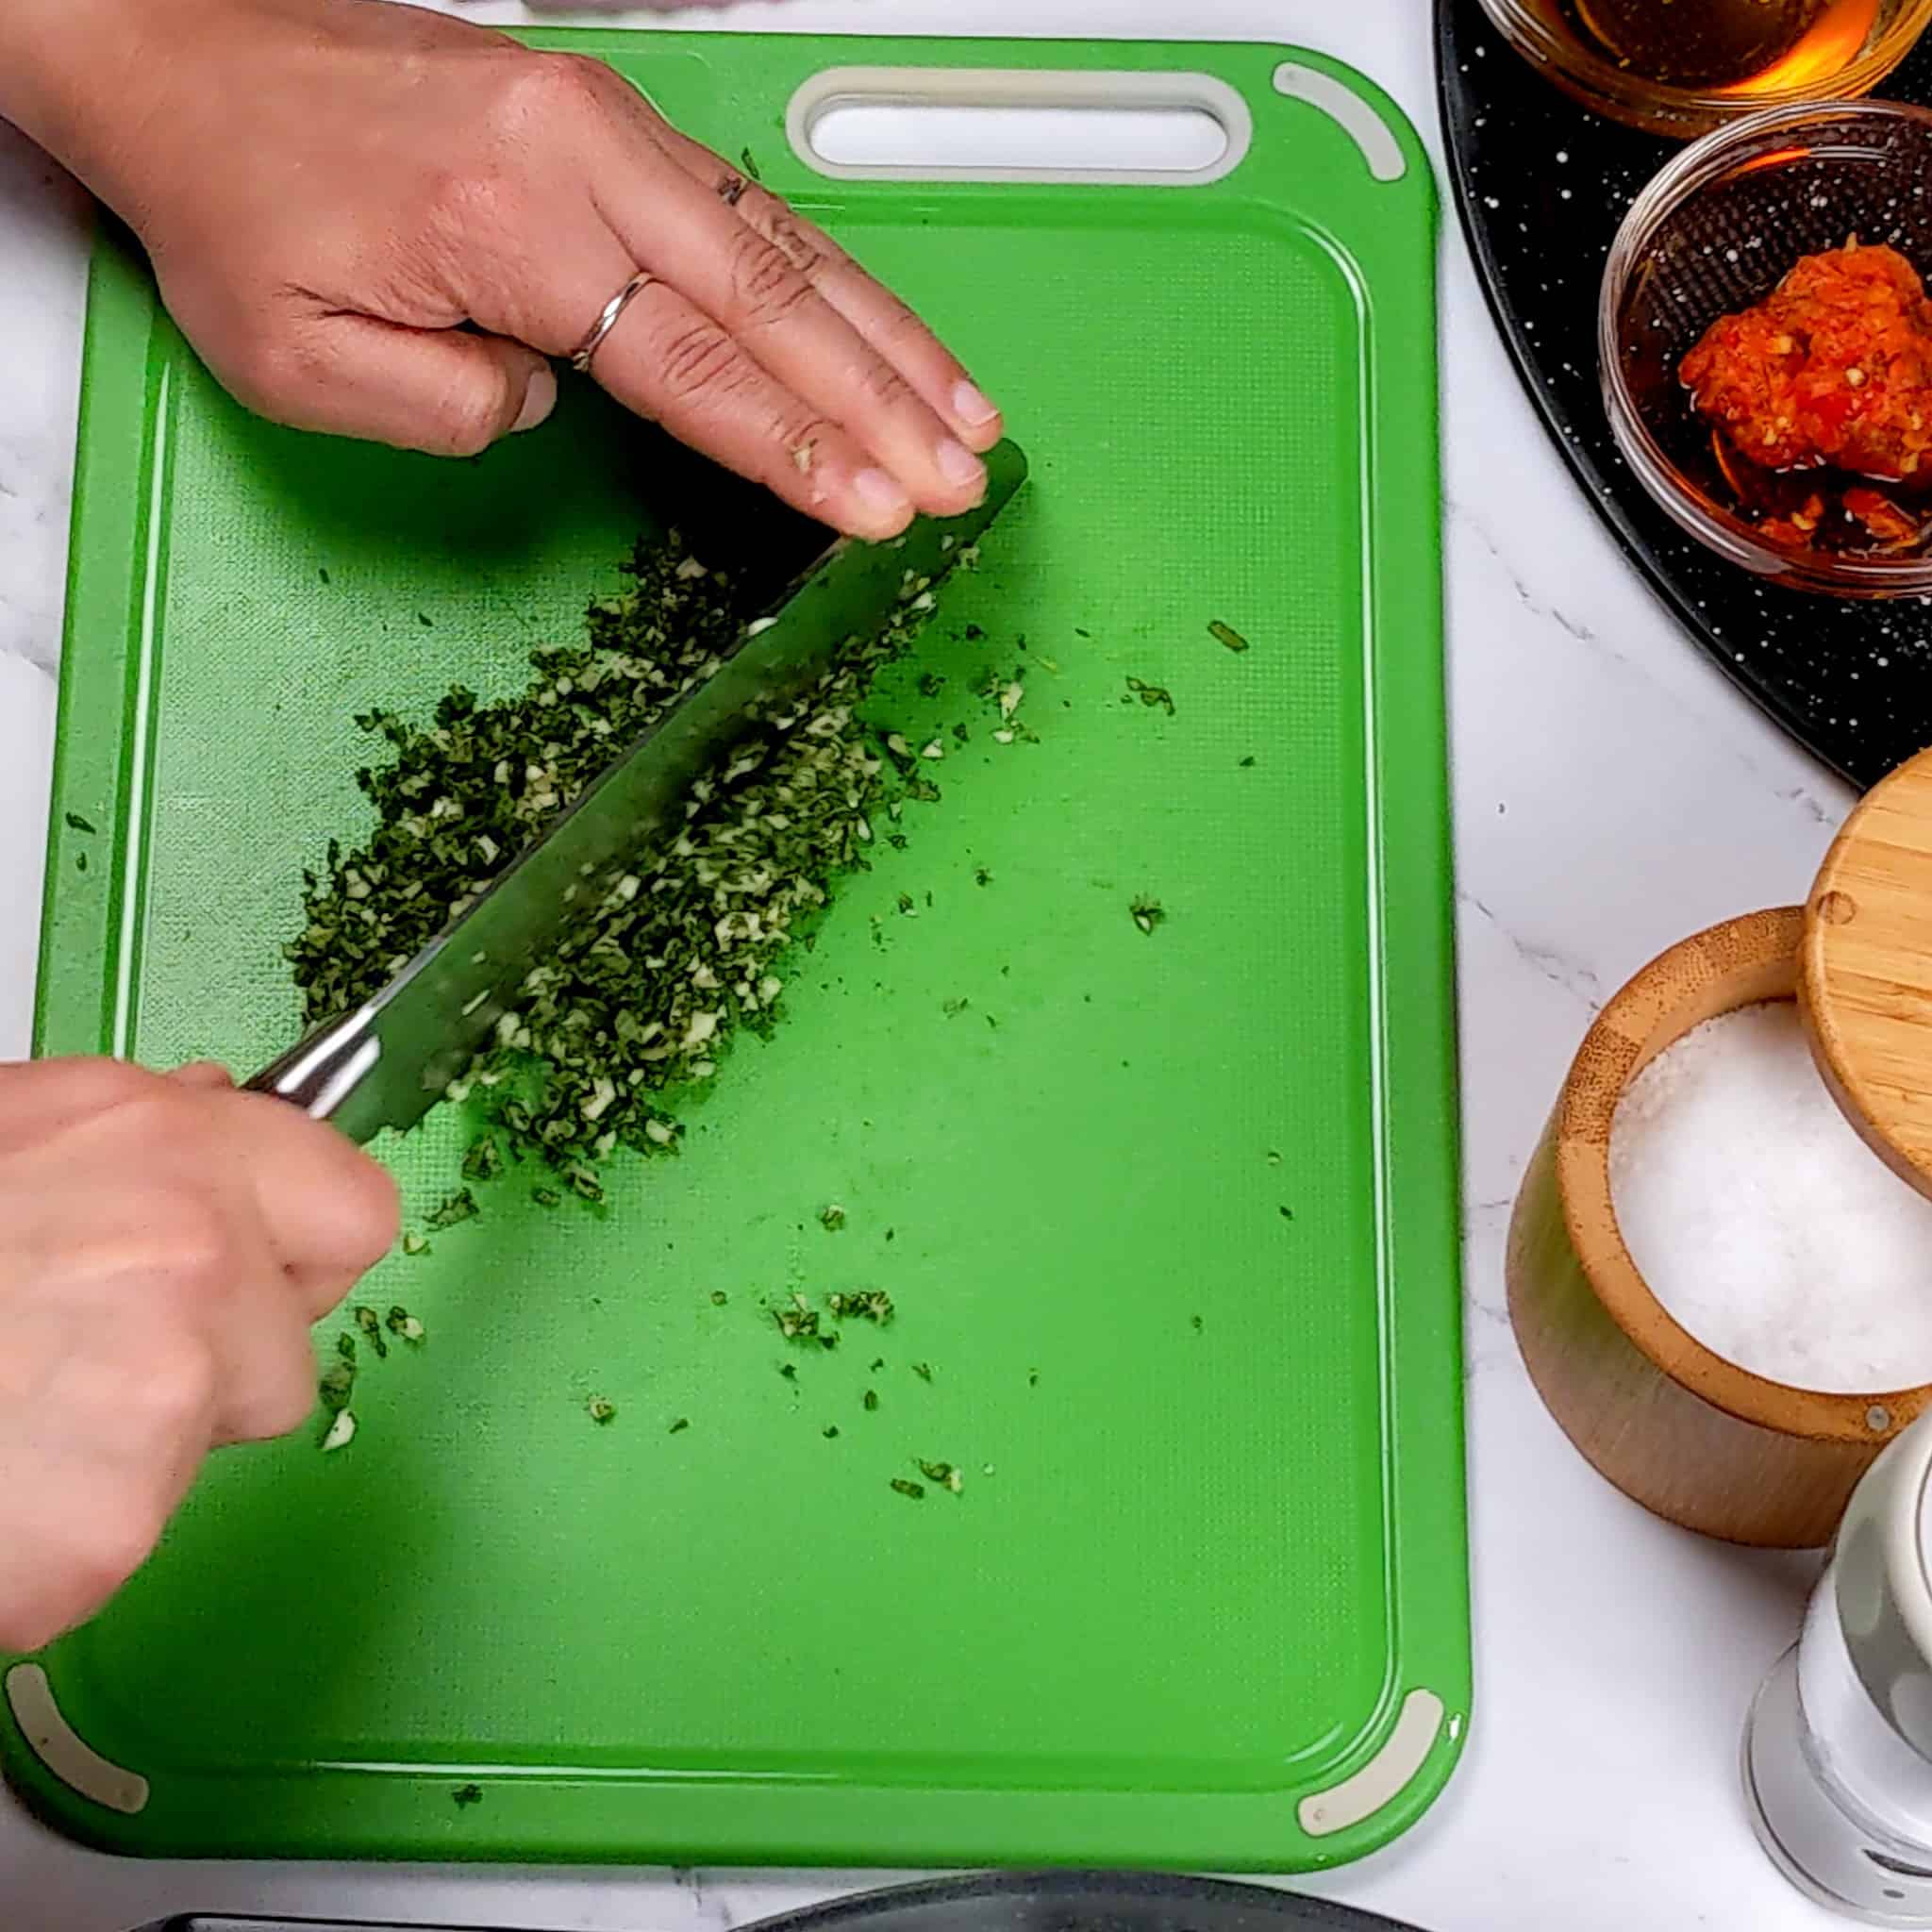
<point x="923" y="1369"/>
<point x="1198" y="1323"/>
<point x="789" y="1370"/>
<point x="906" y="1487"/>
<point x="80" y="862"/>
<point x="862" y="1304"/>
<point x="1287" y="1214"/>
<point x="371" y="1324"/>
<point x="1152" y="695"/>
<point x="1247" y="763"/>
<point x="322" y="573"/>
<point x="750" y="166"/>
<point x="953" y="1008"/>
<point x="797" y="1320"/>
<point x="682" y="1423"/>
<point x="484" y="1160"/>
<point x="981" y="876"/>
<point x="461" y="1206"/>
<point x="341" y="1432"/>
<point x="671" y="957"/>
<point x="1033" y="1378"/>
<point x="878" y="1361"/>
<point x="872" y="1398"/>
<point x="1226" y="634"/>
<point x="546" y="1197"/>
<point x="76" y="823"/>
<point x="719" y="1297"/>
<point x="345" y="1347"/>
<point x="832" y="1218"/>
<point x="1273" y="1158"/>
<point x="414" y="1244"/>
<point x="961" y="734"/>
<point x="931" y="684"/>
<point x="467" y="1794"/>
<point x="601" y="1410"/>
<point x="907" y="905"/>
<point x="830" y="1431"/>
<point x="337" y="1384"/>
<point x="399" y="1321"/>
<point x="943" y="1474"/>
<point x="1148" y="913"/>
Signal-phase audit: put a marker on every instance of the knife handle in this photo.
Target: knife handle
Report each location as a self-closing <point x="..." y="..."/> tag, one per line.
<point x="320" y="1072"/>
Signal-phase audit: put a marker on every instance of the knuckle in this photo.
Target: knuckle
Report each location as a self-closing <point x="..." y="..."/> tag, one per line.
<point x="187" y="1241"/>
<point x="701" y="361"/>
<point x="539" y="89"/>
<point x="767" y="284"/>
<point x="175" y="1383"/>
<point x="799" y="243"/>
<point x="884" y="384"/>
<point x="371" y="1214"/>
<point x="282" y="1400"/>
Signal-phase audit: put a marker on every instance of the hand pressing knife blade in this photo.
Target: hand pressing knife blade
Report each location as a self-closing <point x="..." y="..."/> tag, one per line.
<point x="387" y="1063"/>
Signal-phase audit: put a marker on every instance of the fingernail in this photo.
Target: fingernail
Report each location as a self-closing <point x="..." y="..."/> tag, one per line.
<point x="971" y="406"/>
<point x="539" y="400"/>
<point x="881" y="495"/>
<point x="959" y="466"/>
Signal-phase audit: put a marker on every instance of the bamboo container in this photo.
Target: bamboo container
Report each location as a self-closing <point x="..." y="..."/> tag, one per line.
<point x="1689" y="1435"/>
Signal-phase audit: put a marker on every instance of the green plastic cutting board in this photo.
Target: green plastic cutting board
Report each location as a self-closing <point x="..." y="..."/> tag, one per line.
<point x="1168" y="1217"/>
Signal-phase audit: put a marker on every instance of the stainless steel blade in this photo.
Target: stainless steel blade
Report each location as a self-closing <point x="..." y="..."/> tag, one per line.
<point x="386" y="1065"/>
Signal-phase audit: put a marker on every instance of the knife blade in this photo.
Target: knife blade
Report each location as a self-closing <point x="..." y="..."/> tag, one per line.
<point x="386" y="1064"/>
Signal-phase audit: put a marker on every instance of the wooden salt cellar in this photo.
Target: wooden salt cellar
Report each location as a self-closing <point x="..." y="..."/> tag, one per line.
<point x="1687" y="1434"/>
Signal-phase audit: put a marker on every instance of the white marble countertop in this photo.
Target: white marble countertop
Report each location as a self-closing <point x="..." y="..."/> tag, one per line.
<point x="1613" y="792"/>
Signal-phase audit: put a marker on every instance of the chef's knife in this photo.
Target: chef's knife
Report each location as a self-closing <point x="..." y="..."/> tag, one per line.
<point x="387" y="1063"/>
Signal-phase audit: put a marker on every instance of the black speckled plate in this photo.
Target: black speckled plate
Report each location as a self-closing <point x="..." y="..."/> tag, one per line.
<point x="1001" y="1901"/>
<point x="1543" y="185"/>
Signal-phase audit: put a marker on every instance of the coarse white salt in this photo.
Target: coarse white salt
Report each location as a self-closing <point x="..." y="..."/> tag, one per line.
<point x="1759" y="1219"/>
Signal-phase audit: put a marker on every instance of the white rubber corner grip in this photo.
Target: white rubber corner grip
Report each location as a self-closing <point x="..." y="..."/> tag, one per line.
<point x="1350" y="112"/>
<point x="1383" y="1777"/>
<point x="1019" y="88"/>
<point x="64" y="1751"/>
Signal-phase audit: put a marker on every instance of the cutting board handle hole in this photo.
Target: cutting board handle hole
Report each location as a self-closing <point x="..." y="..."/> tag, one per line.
<point x="908" y="124"/>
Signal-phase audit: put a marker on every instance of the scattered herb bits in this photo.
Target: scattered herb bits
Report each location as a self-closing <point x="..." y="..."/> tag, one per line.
<point x="872" y="1398"/>
<point x="341" y="1432"/>
<point x="943" y="1476"/>
<point x="1148" y="913"/>
<point x="601" y="1410"/>
<point x="1226" y="634"/>
<point x="460" y="1207"/>
<point x="905" y="1486"/>
<point x="369" y="1322"/>
<point x="414" y="1244"/>
<point x="1154" y="696"/>
<point x="719" y="1297"/>
<point x="401" y="1323"/>
<point x="832" y="1219"/>
<point x="77" y="823"/>
<point x="466" y="1795"/>
<point x="923" y="1369"/>
<point x="861" y="1303"/>
<point x="678" y="1427"/>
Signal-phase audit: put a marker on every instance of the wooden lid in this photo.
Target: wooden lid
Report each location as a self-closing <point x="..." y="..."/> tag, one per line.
<point x="1865" y="970"/>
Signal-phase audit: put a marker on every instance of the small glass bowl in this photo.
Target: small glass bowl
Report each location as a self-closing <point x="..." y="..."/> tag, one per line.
<point x="1716" y="231"/>
<point x="1840" y="67"/>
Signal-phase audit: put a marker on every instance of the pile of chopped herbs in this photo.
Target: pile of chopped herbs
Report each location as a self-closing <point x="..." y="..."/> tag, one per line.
<point x="688" y="948"/>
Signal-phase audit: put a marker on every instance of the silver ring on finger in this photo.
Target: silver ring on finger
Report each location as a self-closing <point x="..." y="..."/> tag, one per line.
<point x="606" y="320"/>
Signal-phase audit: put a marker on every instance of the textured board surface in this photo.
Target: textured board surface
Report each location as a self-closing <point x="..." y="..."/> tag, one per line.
<point x="1170" y="1217"/>
<point x="1542" y="186"/>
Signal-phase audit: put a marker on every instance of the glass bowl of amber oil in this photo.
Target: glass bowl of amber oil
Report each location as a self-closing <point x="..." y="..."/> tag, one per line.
<point x="1684" y="67"/>
<point x="1764" y="338"/>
